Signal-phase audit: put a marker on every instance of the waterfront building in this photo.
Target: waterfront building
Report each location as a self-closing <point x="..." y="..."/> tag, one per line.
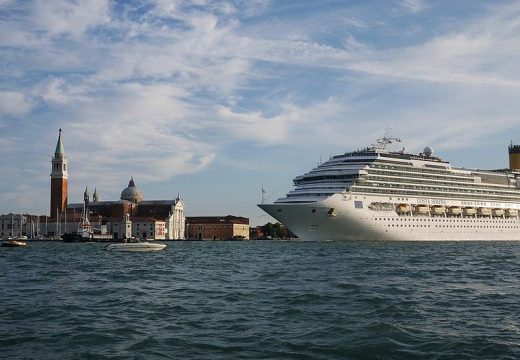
<point x="12" y="225"/>
<point x="167" y="216"/>
<point x="217" y="228"/>
<point x="148" y="228"/>
<point x="17" y="225"/>
<point x="120" y="228"/>
<point x="163" y="219"/>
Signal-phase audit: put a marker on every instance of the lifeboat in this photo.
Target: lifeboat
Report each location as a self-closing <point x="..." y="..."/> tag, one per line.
<point x="498" y="212"/>
<point x="469" y="211"/>
<point x="484" y="211"/>
<point x="421" y="209"/>
<point x="511" y="212"/>
<point x="381" y="206"/>
<point x="454" y="210"/>
<point x="438" y="210"/>
<point x="403" y="208"/>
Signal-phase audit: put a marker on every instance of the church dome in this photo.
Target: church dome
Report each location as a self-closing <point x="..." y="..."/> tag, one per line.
<point x="132" y="193"/>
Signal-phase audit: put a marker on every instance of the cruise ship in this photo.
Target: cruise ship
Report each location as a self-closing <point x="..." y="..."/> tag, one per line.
<point x="378" y="194"/>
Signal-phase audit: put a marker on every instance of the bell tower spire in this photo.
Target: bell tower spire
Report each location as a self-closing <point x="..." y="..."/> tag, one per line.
<point x="59" y="179"/>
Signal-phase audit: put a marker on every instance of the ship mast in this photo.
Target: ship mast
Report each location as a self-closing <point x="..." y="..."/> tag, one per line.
<point x="382" y="144"/>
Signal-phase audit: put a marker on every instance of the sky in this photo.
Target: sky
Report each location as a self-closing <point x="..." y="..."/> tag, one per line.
<point x="215" y="99"/>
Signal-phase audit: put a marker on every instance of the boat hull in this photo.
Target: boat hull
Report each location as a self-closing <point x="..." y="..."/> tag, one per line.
<point x="354" y="220"/>
<point x="135" y="247"/>
<point x="14" y="243"/>
<point x="75" y="237"/>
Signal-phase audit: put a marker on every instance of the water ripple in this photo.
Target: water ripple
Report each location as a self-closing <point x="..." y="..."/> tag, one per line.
<point x="262" y="300"/>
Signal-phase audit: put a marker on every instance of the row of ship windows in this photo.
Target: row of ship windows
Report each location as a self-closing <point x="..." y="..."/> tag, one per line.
<point x="309" y="194"/>
<point x="457" y="226"/>
<point x="413" y="157"/>
<point x="407" y="164"/>
<point x="421" y="176"/>
<point x="452" y="193"/>
<point x="403" y="179"/>
<point x="355" y="153"/>
<point x="326" y="177"/>
<point x="418" y="172"/>
<point x="479" y="220"/>
<point x="433" y="193"/>
<point x="383" y="177"/>
<point x="437" y="188"/>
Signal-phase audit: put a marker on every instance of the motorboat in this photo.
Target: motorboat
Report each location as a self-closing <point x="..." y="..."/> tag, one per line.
<point x="14" y="243"/>
<point x="135" y="246"/>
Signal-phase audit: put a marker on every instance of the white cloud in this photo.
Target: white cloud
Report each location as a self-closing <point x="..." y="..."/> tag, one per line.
<point x="292" y="125"/>
<point x="14" y="103"/>
<point x="60" y="92"/>
<point x="144" y="130"/>
<point x="483" y="53"/>
<point x="413" y="6"/>
<point x="70" y="18"/>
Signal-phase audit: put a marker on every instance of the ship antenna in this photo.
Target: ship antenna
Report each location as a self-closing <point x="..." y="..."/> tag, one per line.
<point x="263" y="192"/>
<point x="382" y="144"/>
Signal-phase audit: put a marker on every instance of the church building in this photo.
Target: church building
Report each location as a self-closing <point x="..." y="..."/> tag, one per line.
<point x="130" y="216"/>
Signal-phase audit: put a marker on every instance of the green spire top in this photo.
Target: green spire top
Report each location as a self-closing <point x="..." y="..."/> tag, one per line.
<point x="60" y="150"/>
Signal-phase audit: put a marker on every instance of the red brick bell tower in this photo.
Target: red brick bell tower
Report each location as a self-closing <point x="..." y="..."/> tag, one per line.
<point x="59" y="180"/>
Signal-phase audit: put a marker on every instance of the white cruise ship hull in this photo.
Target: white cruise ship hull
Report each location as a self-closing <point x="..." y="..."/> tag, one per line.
<point x="346" y="217"/>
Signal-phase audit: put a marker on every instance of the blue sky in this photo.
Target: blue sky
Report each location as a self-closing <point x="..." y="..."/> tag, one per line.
<point x="212" y="98"/>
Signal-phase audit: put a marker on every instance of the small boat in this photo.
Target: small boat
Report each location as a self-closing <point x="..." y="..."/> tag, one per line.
<point x="469" y="211"/>
<point x="381" y="206"/>
<point x="403" y="208"/>
<point x="421" y="209"/>
<point x="13" y="243"/>
<point x="454" y="210"/>
<point x="86" y="237"/>
<point x="484" y="211"/>
<point x="498" y="212"/>
<point x="85" y="232"/>
<point x="15" y="240"/>
<point x="438" y="209"/>
<point x="135" y="246"/>
<point x="511" y="212"/>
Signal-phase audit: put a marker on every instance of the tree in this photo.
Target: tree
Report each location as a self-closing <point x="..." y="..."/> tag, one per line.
<point x="277" y="231"/>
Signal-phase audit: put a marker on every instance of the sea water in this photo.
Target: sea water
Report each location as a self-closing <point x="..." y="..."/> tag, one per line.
<point x="262" y="300"/>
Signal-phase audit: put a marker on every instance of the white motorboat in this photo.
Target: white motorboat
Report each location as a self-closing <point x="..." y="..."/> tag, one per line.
<point x="14" y="243"/>
<point x="139" y="246"/>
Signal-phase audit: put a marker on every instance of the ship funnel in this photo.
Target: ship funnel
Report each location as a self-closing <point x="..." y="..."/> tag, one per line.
<point x="514" y="157"/>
